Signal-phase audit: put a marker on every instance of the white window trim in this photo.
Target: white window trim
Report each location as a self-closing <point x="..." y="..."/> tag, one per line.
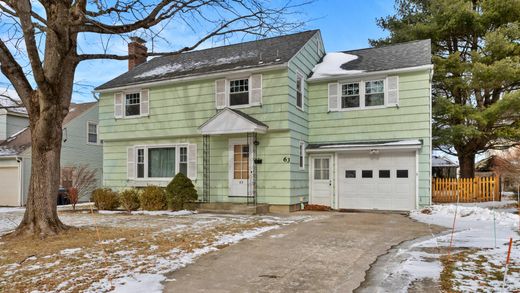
<point x="228" y="91"/>
<point x="362" y="94"/>
<point x="157" y="146"/>
<point x="301" y="153"/>
<point x="299" y="74"/>
<point x="97" y="133"/>
<point x="124" y="104"/>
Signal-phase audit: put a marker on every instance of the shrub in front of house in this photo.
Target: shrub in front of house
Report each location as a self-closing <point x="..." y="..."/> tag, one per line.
<point x="105" y="199"/>
<point x="153" y="198"/>
<point x="181" y="193"/>
<point x="129" y="199"/>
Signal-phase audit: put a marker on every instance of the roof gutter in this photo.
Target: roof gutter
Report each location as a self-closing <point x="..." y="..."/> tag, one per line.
<point x="371" y="73"/>
<point x="192" y="78"/>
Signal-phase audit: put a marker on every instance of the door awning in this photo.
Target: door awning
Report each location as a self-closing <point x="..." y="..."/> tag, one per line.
<point x="231" y="121"/>
<point x="351" y="146"/>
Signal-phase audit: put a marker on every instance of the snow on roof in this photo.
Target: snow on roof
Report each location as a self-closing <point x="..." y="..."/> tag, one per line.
<point x="10" y="100"/>
<point x="331" y="65"/>
<point x="439" y="161"/>
<point x="170" y="68"/>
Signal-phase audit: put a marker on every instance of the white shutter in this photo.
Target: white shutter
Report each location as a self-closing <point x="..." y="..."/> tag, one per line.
<point x="393" y="90"/>
<point x="192" y="161"/>
<point x="220" y="94"/>
<point x="333" y="96"/>
<point x="130" y="163"/>
<point x="118" y="105"/>
<point x="144" y="102"/>
<point x="255" y="95"/>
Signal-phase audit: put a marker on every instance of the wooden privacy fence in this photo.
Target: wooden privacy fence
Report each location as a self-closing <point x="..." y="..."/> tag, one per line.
<point x="467" y="189"/>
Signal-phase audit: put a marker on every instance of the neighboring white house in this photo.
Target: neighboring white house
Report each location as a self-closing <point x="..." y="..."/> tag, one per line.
<point x="81" y="145"/>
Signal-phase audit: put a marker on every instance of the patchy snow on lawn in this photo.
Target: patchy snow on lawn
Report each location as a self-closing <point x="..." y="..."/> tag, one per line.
<point x="331" y="65"/>
<point x="134" y="256"/>
<point x="480" y="244"/>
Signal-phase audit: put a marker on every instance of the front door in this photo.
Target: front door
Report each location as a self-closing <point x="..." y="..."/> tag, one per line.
<point x="321" y="181"/>
<point x="239" y="164"/>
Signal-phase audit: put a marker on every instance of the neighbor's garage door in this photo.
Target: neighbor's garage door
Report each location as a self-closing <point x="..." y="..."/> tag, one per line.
<point x="384" y="181"/>
<point x="9" y="186"/>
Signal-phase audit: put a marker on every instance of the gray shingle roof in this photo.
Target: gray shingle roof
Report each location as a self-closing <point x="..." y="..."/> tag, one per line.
<point x="409" y="54"/>
<point x="265" y="52"/>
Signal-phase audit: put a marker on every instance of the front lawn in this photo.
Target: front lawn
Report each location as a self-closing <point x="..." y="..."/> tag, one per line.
<point x="120" y="252"/>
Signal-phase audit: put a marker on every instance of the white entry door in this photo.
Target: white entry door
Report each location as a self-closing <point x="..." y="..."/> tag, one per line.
<point x="321" y="180"/>
<point x="239" y="167"/>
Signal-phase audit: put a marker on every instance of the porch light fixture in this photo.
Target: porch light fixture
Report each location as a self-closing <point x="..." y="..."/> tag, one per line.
<point x="256" y="142"/>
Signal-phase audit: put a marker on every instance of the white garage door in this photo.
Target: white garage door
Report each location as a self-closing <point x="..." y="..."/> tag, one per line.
<point x="9" y="186"/>
<point x="384" y="181"/>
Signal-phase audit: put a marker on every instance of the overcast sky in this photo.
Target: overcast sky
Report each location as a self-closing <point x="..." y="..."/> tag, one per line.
<point x="345" y="24"/>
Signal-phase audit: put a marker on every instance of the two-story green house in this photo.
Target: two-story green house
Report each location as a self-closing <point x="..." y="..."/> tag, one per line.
<point x="275" y="121"/>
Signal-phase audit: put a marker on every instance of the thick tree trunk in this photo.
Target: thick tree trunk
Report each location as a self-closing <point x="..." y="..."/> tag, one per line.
<point x="467" y="165"/>
<point x="41" y="216"/>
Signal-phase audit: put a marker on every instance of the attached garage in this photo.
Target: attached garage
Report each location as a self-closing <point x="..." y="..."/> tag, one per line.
<point x="10" y="186"/>
<point x="382" y="181"/>
<point x="379" y="176"/>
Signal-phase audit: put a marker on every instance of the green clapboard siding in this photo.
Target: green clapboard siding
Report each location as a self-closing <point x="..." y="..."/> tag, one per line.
<point x="177" y="110"/>
<point x="410" y="121"/>
<point x="301" y="63"/>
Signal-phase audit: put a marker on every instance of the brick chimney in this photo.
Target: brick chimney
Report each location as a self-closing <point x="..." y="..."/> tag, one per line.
<point x="137" y="52"/>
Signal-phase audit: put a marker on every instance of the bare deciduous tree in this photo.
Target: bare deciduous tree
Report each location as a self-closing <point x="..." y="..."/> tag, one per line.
<point x="84" y="181"/>
<point x="40" y="51"/>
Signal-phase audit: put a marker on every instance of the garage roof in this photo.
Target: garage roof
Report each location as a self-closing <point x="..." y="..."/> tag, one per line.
<point x="392" y="144"/>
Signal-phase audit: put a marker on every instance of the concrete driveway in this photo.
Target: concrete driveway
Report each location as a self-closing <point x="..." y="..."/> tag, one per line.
<point x="328" y="254"/>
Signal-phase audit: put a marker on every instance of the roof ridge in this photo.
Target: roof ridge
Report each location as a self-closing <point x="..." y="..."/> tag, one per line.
<point x="386" y="46"/>
<point x="243" y="43"/>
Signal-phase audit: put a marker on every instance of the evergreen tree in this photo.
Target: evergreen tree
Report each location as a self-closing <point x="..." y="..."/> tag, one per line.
<point x="476" y="54"/>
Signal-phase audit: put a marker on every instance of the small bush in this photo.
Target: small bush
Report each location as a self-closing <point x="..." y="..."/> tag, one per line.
<point x="105" y="199"/>
<point x="181" y="193"/>
<point x="129" y="199"/>
<point x="153" y="198"/>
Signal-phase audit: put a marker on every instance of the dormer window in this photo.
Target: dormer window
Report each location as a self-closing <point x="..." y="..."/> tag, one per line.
<point x="239" y="92"/>
<point x="132" y="104"/>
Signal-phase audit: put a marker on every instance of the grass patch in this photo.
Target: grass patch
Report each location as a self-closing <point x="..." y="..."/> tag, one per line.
<point x="76" y="260"/>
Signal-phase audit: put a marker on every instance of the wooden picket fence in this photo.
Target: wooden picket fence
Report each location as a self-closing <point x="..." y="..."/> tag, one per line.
<point x="477" y="189"/>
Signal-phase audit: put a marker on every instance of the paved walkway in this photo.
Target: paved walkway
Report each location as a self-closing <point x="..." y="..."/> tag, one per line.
<point x="329" y="254"/>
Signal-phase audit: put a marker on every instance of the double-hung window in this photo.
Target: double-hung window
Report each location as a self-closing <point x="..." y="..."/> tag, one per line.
<point x="239" y="92"/>
<point x="374" y="93"/>
<point x="363" y="94"/>
<point x="299" y="91"/>
<point x="132" y="104"/>
<point x="92" y="133"/>
<point x="350" y="95"/>
<point x="159" y="162"/>
<point x="302" y="155"/>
